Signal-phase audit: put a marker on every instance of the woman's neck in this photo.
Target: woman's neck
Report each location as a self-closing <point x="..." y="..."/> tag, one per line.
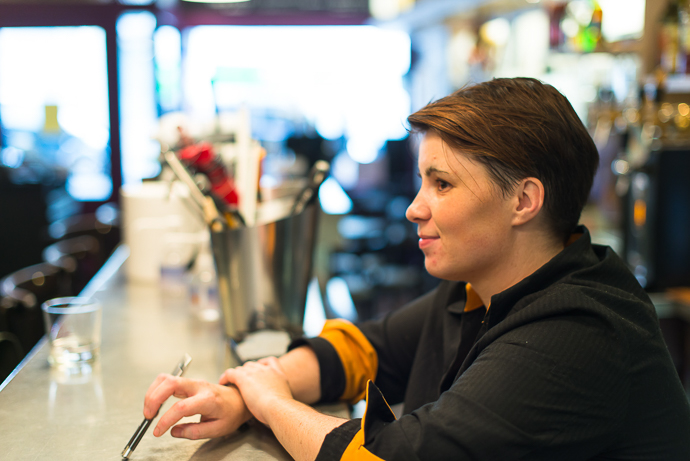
<point x="528" y="252"/>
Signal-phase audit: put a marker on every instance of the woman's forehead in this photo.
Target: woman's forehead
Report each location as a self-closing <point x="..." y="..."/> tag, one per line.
<point x="435" y="155"/>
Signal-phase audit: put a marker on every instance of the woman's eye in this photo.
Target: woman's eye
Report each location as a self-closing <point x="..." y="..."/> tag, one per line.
<point x="441" y="184"/>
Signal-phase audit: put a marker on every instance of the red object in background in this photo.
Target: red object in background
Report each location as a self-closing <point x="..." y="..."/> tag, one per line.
<point x="556" y="35"/>
<point x="199" y="155"/>
<point x="202" y="158"/>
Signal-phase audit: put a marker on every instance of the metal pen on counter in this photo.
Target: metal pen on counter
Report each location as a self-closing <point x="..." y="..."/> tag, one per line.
<point x="178" y="371"/>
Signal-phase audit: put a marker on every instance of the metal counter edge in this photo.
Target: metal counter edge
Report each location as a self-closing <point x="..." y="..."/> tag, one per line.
<point x="105" y="273"/>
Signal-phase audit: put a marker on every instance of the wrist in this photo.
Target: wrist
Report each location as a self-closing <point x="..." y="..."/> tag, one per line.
<point x="237" y="404"/>
<point x="276" y="407"/>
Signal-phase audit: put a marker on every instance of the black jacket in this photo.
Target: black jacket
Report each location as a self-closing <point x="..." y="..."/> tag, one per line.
<point x="568" y="364"/>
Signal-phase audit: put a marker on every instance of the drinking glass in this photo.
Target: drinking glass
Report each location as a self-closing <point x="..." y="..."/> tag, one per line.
<point x="73" y="327"/>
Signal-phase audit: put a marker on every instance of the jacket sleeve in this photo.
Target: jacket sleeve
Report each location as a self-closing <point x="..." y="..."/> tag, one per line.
<point x="549" y="390"/>
<point x="395" y="339"/>
<point x="379" y="350"/>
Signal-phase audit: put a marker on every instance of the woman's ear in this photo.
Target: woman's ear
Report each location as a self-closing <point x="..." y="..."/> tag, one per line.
<point x="529" y="199"/>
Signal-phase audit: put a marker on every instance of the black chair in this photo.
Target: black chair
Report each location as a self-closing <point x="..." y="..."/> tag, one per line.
<point x="22" y="293"/>
<point x="103" y="225"/>
<point x="80" y="257"/>
<point x="11" y="350"/>
<point x="11" y="353"/>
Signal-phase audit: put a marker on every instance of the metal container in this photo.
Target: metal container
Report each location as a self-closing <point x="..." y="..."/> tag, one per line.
<point x="263" y="273"/>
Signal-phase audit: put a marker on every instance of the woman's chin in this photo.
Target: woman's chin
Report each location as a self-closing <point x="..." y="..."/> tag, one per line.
<point x="443" y="273"/>
<point x="435" y="271"/>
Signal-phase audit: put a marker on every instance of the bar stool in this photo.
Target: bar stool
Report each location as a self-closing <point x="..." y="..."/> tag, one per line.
<point x="80" y="257"/>
<point x="11" y="353"/>
<point x="22" y="293"/>
<point x="103" y="225"/>
<point x="11" y="350"/>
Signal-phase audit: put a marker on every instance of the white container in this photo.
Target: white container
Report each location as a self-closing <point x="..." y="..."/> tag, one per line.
<point x="151" y="213"/>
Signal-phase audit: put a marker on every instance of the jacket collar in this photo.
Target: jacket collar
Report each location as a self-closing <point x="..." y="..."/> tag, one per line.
<point x="577" y="255"/>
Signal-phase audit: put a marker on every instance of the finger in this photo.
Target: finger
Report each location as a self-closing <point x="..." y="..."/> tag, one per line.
<point x="273" y="363"/>
<point x="187" y="407"/>
<point x="157" y="393"/>
<point x="225" y="377"/>
<point x="230" y="376"/>
<point x="251" y="367"/>
<point x="179" y="387"/>
<point x="159" y="379"/>
<point x="201" y="430"/>
<point x="154" y="385"/>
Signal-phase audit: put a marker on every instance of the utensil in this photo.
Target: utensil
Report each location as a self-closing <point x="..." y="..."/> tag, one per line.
<point x="178" y="371"/>
<point x="205" y="202"/>
<point x="317" y="175"/>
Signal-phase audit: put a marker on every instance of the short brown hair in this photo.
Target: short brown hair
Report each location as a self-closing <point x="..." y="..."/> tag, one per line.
<point x="519" y="128"/>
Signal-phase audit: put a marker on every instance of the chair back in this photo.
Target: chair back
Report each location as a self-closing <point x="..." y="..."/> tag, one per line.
<point x="21" y="295"/>
<point x="11" y="353"/>
<point x="80" y="257"/>
<point x="103" y="225"/>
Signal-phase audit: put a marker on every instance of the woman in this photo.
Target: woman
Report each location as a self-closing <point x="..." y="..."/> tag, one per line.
<point x="537" y="344"/>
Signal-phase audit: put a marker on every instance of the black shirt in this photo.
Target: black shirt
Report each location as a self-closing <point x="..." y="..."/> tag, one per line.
<point x="568" y="364"/>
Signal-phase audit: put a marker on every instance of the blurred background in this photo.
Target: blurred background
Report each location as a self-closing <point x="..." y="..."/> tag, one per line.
<point x="85" y="84"/>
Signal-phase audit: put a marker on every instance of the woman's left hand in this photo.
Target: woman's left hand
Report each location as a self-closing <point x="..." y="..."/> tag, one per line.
<point x="260" y="384"/>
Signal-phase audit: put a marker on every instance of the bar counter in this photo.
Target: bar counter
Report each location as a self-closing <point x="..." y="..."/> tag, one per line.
<point x="91" y="413"/>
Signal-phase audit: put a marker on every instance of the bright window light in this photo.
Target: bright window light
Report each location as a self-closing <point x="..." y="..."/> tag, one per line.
<point x="334" y="200"/>
<point x="345" y="80"/>
<point x="314" y="313"/>
<point x="54" y="101"/>
<point x="340" y="299"/>
<point x="496" y="31"/>
<point x="12" y="157"/>
<point x="345" y="170"/>
<point x="138" y="116"/>
<point x="622" y="19"/>
<point x="364" y="149"/>
<point x="167" y="43"/>
<point x="84" y="186"/>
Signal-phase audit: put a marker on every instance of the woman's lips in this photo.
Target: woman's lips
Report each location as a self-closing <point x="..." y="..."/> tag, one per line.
<point x="426" y="241"/>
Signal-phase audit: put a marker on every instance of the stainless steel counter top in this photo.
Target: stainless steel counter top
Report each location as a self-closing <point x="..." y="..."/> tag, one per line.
<point x="91" y="414"/>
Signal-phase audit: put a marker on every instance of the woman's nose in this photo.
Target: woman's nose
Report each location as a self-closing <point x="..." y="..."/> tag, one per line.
<point x="418" y="210"/>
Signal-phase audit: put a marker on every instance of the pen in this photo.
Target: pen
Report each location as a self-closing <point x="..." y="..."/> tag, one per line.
<point x="178" y="371"/>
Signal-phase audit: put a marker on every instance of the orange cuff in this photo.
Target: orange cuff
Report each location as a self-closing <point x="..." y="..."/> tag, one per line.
<point x="378" y="409"/>
<point x="358" y="356"/>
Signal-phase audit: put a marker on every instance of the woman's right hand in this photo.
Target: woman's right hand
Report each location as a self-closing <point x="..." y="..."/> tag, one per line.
<point x="221" y="408"/>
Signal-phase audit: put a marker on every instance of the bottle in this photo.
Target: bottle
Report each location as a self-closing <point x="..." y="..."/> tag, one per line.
<point x="556" y="35"/>
<point x="669" y="39"/>
<point x="684" y="36"/>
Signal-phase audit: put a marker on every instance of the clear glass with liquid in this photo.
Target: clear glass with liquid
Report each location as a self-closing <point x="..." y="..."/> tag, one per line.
<point x="73" y="327"/>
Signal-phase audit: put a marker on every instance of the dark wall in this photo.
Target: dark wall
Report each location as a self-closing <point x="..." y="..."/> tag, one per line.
<point x="23" y="225"/>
